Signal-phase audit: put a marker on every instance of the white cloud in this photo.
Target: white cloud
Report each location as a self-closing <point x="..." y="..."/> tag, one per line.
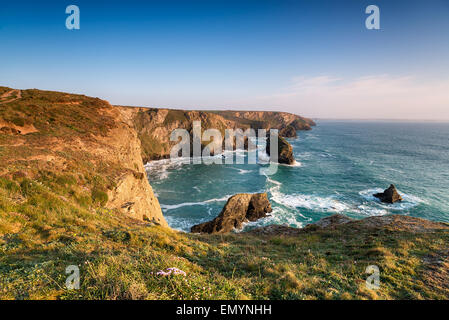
<point x="369" y="97"/>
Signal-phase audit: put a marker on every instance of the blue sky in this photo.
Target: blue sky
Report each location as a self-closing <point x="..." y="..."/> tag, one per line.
<point x="314" y="58"/>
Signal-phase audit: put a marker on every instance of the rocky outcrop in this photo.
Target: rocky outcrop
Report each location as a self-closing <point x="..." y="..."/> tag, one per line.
<point x="302" y="124"/>
<point x="390" y="195"/>
<point x="154" y="126"/>
<point x="285" y="151"/>
<point x="347" y="225"/>
<point x="268" y="119"/>
<point x="324" y="223"/>
<point x="239" y="209"/>
<point x="288" y="132"/>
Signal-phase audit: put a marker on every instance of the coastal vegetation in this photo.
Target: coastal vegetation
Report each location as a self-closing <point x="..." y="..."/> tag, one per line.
<point x="70" y="173"/>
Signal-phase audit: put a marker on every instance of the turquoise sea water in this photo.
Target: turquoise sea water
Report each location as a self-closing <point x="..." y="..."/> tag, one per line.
<point x="340" y="165"/>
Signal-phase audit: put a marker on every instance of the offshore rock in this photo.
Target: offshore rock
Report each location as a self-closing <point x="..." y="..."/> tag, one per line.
<point x="285" y="151"/>
<point x="390" y="195"/>
<point x="239" y="209"/>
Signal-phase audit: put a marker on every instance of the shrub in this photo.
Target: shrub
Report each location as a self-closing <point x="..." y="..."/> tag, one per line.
<point x="118" y="235"/>
<point x="18" y="122"/>
<point x="84" y="201"/>
<point x="99" y="196"/>
<point x="28" y="187"/>
<point x="66" y="180"/>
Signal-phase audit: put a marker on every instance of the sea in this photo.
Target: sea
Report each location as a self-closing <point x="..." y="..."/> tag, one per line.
<point x="339" y="166"/>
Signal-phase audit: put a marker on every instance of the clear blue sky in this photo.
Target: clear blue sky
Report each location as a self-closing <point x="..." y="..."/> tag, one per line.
<point x="310" y="57"/>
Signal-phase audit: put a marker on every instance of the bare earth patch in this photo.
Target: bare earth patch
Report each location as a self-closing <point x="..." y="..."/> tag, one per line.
<point x="11" y="128"/>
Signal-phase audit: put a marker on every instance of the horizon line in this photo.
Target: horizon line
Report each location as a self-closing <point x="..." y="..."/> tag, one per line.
<point x="246" y="110"/>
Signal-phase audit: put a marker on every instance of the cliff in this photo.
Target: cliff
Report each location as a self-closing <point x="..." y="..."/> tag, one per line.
<point x="284" y="151"/>
<point x="73" y="192"/>
<point x="80" y="148"/>
<point x="101" y="149"/>
<point x="268" y="119"/>
<point x="154" y="126"/>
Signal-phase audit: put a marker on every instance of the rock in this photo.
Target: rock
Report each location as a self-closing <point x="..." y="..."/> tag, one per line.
<point x="302" y="124"/>
<point x="285" y="151"/>
<point x="347" y="225"/>
<point x="154" y="126"/>
<point x="288" y="132"/>
<point x="284" y="230"/>
<point x="240" y="208"/>
<point x="333" y="220"/>
<point x="390" y="195"/>
<point x="258" y="207"/>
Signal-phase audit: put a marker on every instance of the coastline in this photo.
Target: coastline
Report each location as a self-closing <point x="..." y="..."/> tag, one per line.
<point x="68" y="197"/>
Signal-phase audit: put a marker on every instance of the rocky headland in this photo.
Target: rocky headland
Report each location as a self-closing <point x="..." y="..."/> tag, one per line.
<point x="154" y="126"/>
<point x="73" y="191"/>
<point x="87" y="137"/>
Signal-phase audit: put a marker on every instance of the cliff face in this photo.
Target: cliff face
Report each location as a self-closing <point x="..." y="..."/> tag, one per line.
<point x="132" y="194"/>
<point x="99" y="148"/>
<point x="64" y="158"/>
<point x="52" y="137"/>
<point x="268" y="119"/>
<point x="154" y="126"/>
<point x="285" y="151"/>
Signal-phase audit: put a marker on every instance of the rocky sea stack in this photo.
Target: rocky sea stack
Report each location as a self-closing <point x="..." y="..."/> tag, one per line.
<point x="240" y="208"/>
<point x="390" y="195"/>
<point x="285" y="151"/>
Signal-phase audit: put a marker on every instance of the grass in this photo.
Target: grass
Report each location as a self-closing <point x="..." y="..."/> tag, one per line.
<point x="77" y="115"/>
<point x="42" y="234"/>
<point x="119" y="258"/>
<point x="52" y="216"/>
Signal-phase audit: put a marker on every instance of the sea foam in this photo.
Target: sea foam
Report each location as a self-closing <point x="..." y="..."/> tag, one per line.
<point x="409" y="201"/>
<point x="168" y="207"/>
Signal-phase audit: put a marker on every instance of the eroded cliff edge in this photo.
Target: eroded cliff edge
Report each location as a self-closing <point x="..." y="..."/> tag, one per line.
<point x="81" y="149"/>
<point x="91" y="154"/>
<point x="154" y="126"/>
<point x="60" y="157"/>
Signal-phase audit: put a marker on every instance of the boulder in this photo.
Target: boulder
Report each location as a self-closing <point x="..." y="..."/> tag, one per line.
<point x="285" y="151"/>
<point x="240" y="208"/>
<point x="390" y="195"/>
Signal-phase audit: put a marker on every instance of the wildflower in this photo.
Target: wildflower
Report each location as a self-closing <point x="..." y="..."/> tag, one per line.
<point x="170" y="271"/>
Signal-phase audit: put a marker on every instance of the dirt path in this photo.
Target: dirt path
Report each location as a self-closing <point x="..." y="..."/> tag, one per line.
<point x="10" y="93"/>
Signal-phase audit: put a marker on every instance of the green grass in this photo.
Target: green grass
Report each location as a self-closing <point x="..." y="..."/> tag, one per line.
<point x="175" y="115"/>
<point x="78" y="114"/>
<point x="99" y="196"/>
<point x="53" y="216"/>
<point x="41" y="233"/>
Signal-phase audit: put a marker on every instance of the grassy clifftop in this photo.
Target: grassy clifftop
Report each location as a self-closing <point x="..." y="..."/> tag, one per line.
<point x="72" y="150"/>
<point x="120" y="259"/>
<point x="68" y="179"/>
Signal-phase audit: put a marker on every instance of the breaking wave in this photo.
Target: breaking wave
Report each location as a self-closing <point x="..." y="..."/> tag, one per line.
<point x="409" y="201"/>
<point x="168" y="207"/>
